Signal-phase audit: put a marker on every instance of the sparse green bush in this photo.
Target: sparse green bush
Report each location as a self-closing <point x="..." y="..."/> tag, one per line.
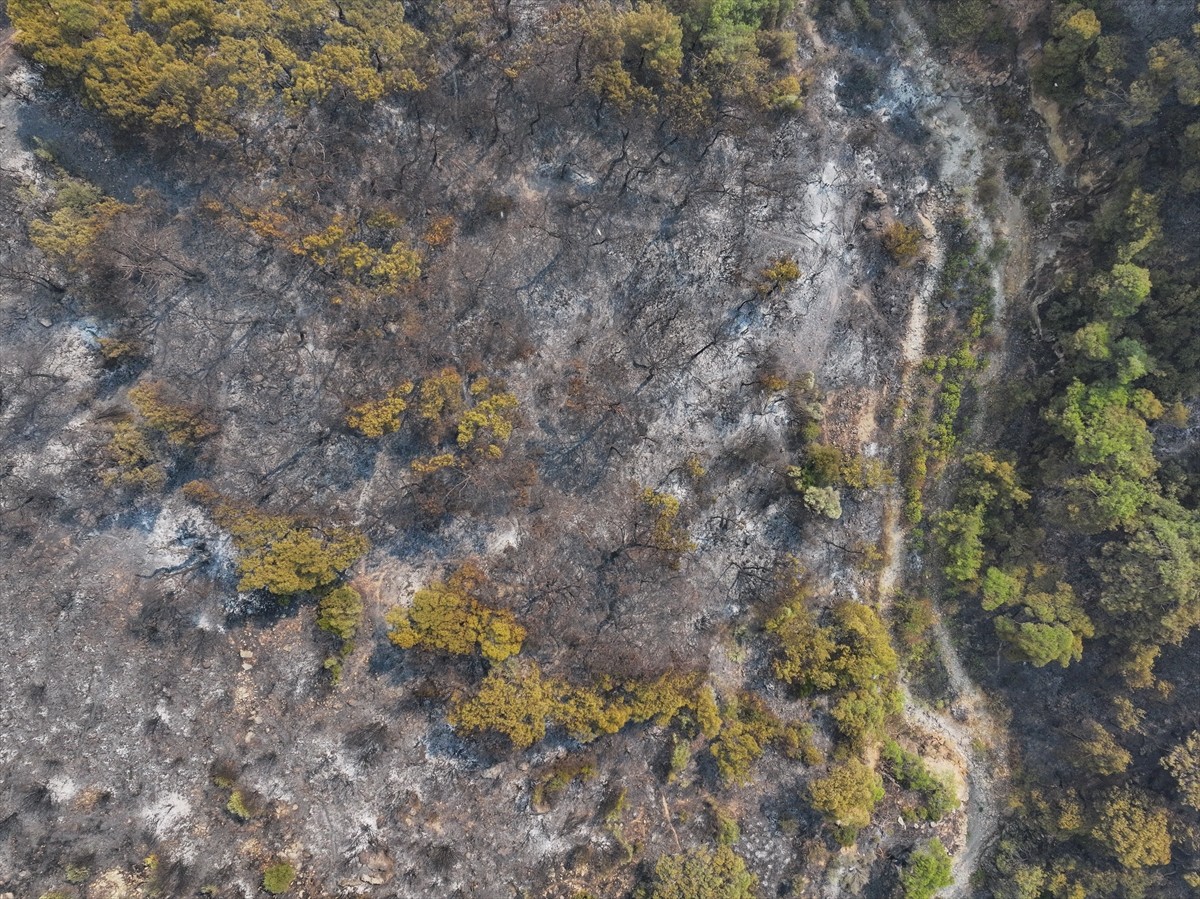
<point x="333" y="666"/>
<point x="961" y="23"/>
<point x="728" y="831"/>
<point x="910" y="771"/>
<point x="902" y="242"/>
<point x="117" y="351"/>
<point x="79" y="214"/>
<point x="238" y="806"/>
<point x="339" y="250"/>
<point x="824" y="501"/>
<point x="278" y="878"/>
<point x="703" y="874"/>
<point x="278" y="553"/>
<point x="375" y="418"/>
<point x="182" y="424"/>
<point x="613" y="809"/>
<point x="339" y="611"/>
<point x="926" y="871"/>
<point x="666" y="535"/>
<point x="681" y="754"/>
<point x="748" y="728"/>
<point x="847" y="794"/>
<point x="780" y="273"/>
<point x="796" y="742"/>
<point x="446" y="616"/>
<point x="132" y="461"/>
<point x="550" y="788"/>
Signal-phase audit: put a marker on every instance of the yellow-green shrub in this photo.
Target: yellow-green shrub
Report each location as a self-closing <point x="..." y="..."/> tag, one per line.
<point x="446" y="616"/>
<point x="375" y="418"/>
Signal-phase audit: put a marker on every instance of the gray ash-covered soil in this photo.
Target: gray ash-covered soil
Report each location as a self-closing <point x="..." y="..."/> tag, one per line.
<point x="607" y="272"/>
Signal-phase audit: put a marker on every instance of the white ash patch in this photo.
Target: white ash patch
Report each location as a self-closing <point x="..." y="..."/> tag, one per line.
<point x="62" y="788"/>
<point x="168" y="814"/>
<point x="175" y="534"/>
<point x="505" y="536"/>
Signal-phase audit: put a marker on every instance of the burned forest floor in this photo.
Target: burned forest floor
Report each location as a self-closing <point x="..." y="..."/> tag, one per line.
<point x="656" y="334"/>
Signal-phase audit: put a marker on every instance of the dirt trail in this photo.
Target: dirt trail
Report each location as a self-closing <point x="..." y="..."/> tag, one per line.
<point x="971" y="729"/>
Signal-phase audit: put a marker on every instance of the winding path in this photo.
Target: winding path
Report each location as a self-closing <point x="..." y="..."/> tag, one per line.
<point x="971" y="731"/>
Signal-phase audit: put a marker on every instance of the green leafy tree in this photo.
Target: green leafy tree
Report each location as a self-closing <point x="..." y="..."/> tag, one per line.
<point x="280" y="556"/>
<point x="652" y="37"/>
<point x="1138" y="227"/>
<point x="1151" y="580"/>
<point x="1101" y="752"/>
<point x="1171" y="68"/>
<point x="1041" y="617"/>
<point x="1074" y="35"/>
<point x="1106" y="424"/>
<point x="805" y="649"/>
<point x="1093" y="341"/>
<point x="1122" y="291"/>
<point x="213" y="66"/>
<point x="988" y="495"/>
<point x="1133" y="829"/>
<point x="960" y="532"/>
<point x="853" y="657"/>
<point x="1183" y="762"/>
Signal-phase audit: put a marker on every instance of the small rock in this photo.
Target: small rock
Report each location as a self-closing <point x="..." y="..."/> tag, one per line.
<point x="246" y="654"/>
<point x="246" y="666"/>
<point x="928" y="231"/>
<point x="45" y="322"/>
<point x="877" y="198"/>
